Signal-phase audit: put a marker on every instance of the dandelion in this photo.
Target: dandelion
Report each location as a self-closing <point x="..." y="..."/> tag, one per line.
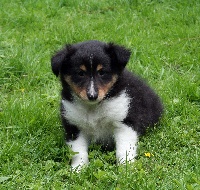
<point x="148" y="154"/>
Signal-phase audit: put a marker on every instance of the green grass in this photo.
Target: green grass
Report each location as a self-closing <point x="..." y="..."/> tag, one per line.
<point x="165" y="42"/>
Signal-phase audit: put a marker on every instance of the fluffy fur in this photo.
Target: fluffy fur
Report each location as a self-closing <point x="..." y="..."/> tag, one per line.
<point x="101" y="101"/>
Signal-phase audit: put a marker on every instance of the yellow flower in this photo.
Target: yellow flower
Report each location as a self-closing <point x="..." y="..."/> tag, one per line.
<point x="147" y="154"/>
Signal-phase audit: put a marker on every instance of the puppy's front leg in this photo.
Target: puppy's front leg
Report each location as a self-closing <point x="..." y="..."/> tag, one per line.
<point x="126" y="143"/>
<point x="80" y="146"/>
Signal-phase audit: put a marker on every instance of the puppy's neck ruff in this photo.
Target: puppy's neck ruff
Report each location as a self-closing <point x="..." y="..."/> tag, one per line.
<point x="99" y="119"/>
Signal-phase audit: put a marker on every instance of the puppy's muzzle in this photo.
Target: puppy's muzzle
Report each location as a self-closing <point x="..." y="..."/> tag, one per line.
<point x="92" y="91"/>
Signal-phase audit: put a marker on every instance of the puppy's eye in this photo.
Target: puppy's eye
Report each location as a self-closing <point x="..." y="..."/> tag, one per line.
<point x="101" y="72"/>
<point x="81" y="73"/>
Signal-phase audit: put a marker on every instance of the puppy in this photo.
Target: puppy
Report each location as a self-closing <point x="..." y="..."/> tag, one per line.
<point x="102" y="102"/>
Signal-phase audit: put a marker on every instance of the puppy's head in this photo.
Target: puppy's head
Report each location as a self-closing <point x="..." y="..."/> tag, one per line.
<point x="90" y="68"/>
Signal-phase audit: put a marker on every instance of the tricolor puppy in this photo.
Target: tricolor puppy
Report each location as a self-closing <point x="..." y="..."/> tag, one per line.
<point x="102" y="102"/>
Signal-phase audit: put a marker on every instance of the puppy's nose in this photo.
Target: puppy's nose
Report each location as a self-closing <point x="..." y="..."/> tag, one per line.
<point x="92" y="97"/>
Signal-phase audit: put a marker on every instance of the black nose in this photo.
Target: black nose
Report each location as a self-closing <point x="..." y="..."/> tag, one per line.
<point x="92" y="96"/>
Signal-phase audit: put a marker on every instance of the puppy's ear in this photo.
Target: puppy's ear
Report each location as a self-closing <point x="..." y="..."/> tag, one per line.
<point x="120" y="54"/>
<point x="60" y="57"/>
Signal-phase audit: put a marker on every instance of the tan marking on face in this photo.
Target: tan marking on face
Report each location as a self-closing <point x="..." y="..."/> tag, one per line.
<point x="103" y="90"/>
<point x="99" y="67"/>
<point x="83" y="68"/>
<point x="80" y="92"/>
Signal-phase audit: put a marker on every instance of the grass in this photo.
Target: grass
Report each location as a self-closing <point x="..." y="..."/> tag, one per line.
<point x="164" y="38"/>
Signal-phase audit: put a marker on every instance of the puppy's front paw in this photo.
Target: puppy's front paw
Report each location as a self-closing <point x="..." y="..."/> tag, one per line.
<point x="78" y="162"/>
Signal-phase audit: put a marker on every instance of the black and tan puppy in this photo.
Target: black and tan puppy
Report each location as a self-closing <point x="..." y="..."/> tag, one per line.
<point x="101" y="101"/>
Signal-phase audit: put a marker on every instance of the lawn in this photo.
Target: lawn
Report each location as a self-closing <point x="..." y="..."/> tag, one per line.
<point x="164" y="37"/>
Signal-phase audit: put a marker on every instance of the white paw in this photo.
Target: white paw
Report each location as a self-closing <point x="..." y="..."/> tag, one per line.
<point x="79" y="146"/>
<point x="78" y="162"/>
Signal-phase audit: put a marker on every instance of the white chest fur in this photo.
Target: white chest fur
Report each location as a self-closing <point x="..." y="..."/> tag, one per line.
<point x="97" y="121"/>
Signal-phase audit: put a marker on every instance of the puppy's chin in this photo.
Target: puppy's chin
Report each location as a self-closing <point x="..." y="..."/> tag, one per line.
<point x="92" y="102"/>
<point x="89" y="102"/>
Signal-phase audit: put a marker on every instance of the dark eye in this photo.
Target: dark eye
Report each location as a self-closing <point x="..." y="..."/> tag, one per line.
<point x="101" y="72"/>
<point x="81" y="73"/>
